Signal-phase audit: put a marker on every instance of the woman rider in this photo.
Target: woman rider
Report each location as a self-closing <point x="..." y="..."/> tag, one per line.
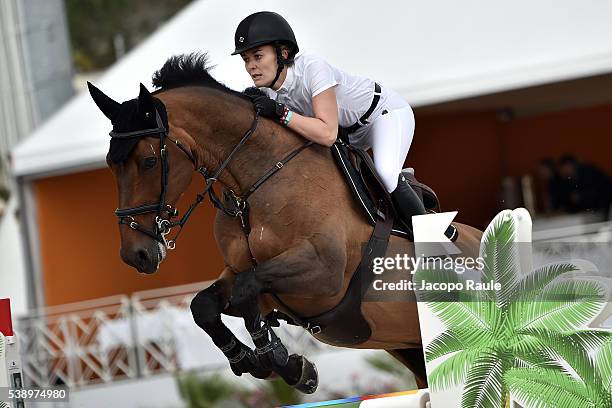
<point x="312" y="97"/>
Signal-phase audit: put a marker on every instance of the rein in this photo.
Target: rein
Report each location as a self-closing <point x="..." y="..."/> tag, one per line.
<point x="163" y="225"/>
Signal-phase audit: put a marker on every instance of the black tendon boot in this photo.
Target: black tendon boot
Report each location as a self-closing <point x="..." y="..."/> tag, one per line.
<point x="407" y="203"/>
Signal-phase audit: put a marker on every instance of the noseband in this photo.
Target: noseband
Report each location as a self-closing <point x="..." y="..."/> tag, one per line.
<point x="163" y="225"/>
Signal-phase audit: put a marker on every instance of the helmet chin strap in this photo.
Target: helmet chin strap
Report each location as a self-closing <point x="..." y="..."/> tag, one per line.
<point x="281" y="64"/>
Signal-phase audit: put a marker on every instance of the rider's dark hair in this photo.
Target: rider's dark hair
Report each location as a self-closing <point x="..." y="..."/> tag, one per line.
<point x="278" y="46"/>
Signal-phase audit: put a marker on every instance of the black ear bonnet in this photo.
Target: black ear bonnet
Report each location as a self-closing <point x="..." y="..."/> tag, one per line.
<point x="132" y="116"/>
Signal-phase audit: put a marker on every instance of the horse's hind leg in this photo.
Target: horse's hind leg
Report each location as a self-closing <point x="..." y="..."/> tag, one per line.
<point x="296" y="370"/>
<point x="414" y="360"/>
<point x="206" y="308"/>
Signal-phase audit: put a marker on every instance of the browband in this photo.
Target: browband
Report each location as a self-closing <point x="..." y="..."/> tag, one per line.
<point x="140" y="133"/>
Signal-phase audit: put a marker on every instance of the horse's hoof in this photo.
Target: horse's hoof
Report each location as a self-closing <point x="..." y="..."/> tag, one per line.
<point x="309" y="380"/>
<point x="244" y="362"/>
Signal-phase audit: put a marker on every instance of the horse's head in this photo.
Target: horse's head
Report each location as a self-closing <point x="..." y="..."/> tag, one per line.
<point x="153" y="167"/>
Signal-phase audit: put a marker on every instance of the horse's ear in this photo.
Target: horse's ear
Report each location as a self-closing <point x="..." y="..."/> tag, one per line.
<point x="145" y="100"/>
<point x="108" y="106"/>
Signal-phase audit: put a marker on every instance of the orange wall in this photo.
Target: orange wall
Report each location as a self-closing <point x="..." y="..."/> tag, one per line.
<point x="585" y="133"/>
<point x="79" y="239"/>
<point x="458" y="156"/>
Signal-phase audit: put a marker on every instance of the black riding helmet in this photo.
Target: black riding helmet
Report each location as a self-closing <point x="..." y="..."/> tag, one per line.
<point x="266" y="27"/>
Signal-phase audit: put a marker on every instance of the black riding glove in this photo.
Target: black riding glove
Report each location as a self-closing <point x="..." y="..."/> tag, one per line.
<point x="253" y="92"/>
<point x="269" y="108"/>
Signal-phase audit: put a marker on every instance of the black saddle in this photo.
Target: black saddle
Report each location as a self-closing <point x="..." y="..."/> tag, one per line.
<point x="369" y="190"/>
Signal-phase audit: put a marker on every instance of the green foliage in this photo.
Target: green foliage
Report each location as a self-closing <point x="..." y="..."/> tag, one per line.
<point x="206" y="393"/>
<point x="4" y="192"/>
<point x="389" y="365"/>
<point x="94" y="24"/>
<point x="216" y="391"/>
<point x="282" y="393"/>
<point x="532" y="325"/>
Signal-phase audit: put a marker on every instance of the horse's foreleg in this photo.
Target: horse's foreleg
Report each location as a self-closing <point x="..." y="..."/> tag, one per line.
<point x="206" y="308"/>
<point x="296" y="370"/>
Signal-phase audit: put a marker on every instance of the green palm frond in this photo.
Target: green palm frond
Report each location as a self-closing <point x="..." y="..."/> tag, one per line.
<point x="547" y="389"/>
<point x="539" y="359"/>
<point x="523" y="344"/>
<point x="484" y="382"/>
<point x="576" y="349"/>
<point x="445" y="343"/>
<point x="531" y="351"/>
<point x="578" y="303"/>
<point x="500" y="255"/>
<point x="586" y="339"/>
<point x="535" y="281"/>
<point x="459" y="315"/>
<point x="453" y="371"/>
<point x="604" y="364"/>
<point x="458" y="339"/>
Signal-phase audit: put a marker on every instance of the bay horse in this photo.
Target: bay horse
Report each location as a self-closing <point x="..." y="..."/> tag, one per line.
<point x="307" y="230"/>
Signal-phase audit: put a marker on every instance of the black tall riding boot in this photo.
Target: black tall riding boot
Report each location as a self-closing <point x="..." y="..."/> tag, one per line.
<point x="408" y="203"/>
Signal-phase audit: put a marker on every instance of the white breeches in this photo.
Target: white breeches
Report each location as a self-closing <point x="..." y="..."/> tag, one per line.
<point x="391" y="137"/>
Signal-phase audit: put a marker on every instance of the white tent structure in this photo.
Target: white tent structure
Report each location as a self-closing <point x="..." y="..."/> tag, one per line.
<point x="430" y="52"/>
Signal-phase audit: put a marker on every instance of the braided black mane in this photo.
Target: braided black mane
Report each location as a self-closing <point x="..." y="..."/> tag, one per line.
<point x="187" y="70"/>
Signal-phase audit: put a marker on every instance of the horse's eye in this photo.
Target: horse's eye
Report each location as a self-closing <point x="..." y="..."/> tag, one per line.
<point x="149" y="162"/>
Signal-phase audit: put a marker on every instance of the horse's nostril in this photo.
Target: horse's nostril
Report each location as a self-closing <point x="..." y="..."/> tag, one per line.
<point x="142" y="256"/>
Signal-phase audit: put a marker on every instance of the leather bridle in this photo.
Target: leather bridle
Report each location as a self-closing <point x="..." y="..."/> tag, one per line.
<point x="163" y="225"/>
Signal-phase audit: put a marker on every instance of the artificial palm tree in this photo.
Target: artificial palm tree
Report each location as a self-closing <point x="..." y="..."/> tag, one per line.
<point x="490" y="336"/>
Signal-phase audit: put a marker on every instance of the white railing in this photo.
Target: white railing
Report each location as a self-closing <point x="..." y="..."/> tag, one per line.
<point x="598" y="231"/>
<point x="127" y="337"/>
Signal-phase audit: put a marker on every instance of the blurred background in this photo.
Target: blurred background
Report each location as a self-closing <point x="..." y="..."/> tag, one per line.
<point x="513" y="108"/>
